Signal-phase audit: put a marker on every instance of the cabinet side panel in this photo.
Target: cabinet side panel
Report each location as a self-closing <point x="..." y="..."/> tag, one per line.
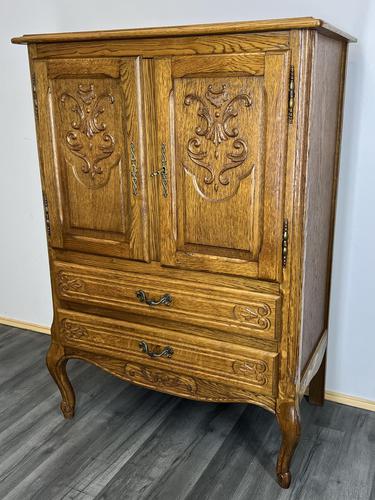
<point x="325" y="111"/>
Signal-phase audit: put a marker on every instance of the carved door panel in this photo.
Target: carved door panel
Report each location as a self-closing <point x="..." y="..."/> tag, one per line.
<point x="90" y="119"/>
<point x="222" y="129"/>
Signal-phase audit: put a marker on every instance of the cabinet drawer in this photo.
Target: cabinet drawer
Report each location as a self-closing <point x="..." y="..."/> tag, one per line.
<point x="159" y="349"/>
<point x="236" y="311"/>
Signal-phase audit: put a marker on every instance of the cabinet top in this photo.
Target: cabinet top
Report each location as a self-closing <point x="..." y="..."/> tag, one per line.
<point x="197" y="29"/>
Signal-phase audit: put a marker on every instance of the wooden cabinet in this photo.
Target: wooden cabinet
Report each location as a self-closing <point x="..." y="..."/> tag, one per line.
<point x="223" y="150"/>
<point x="189" y="178"/>
<point x="91" y="125"/>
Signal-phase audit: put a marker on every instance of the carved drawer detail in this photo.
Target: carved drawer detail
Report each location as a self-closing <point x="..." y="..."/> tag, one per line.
<point x="210" y="306"/>
<point x="190" y="356"/>
<point x="161" y="378"/>
<point x="256" y="315"/>
<point x="68" y="283"/>
<point x="73" y="331"/>
<point x="203" y="389"/>
<point x="254" y="369"/>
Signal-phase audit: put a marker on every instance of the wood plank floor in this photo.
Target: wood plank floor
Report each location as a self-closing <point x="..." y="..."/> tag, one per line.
<point x="130" y="443"/>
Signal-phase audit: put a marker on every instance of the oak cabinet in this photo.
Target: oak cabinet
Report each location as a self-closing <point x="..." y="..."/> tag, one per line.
<point x="216" y="121"/>
<point x="189" y="178"/>
<point x="90" y="120"/>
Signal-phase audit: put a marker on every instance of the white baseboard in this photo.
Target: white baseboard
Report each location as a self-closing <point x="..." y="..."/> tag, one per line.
<point x="336" y="397"/>
<point x="25" y="325"/>
<point x="343" y="399"/>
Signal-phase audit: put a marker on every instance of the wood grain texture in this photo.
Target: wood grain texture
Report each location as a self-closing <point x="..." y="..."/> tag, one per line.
<point x="293" y="212"/>
<point x="56" y="363"/>
<point x="175" y="324"/>
<point x="290" y="342"/>
<point x="276" y="86"/>
<point x="213" y="306"/>
<point x="214" y="63"/>
<point x="169" y="382"/>
<point x="240" y="367"/>
<point x="287" y="403"/>
<point x="325" y="101"/>
<point x="189" y="179"/>
<point x="289" y="421"/>
<point x="49" y="181"/>
<point x="198" y="29"/>
<point x="218" y="165"/>
<point x="154" y="268"/>
<point x="182" y="45"/>
<point x="87" y="162"/>
<point x="149" y="158"/>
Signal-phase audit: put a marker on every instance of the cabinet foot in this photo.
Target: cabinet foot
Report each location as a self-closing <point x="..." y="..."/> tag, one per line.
<point x="289" y="421"/>
<point x="317" y="385"/>
<point x="284" y="479"/>
<point x="67" y="410"/>
<point x="56" y="363"/>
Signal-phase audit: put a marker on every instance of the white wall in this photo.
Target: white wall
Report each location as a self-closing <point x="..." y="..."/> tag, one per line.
<point x="24" y="281"/>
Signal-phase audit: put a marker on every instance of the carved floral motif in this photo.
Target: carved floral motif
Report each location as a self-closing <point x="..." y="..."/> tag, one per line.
<point x="73" y="330"/>
<point x="69" y="284"/>
<point x="256" y="316"/>
<point x="88" y="138"/>
<point x="217" y="111"/>
<point x="161" y="378"/>
<point x="253" y="369"/>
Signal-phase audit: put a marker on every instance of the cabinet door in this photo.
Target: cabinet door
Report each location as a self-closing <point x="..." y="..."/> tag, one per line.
<point x="90" y="130"/>
<point x="222" y="130"/>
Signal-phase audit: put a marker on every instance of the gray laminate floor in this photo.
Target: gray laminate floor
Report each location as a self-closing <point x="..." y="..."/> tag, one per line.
<point x="130" y="443"/>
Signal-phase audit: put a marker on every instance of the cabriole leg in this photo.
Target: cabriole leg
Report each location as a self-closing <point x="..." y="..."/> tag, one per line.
<point x="56" y="363"/>
<point x="289" y="422"/>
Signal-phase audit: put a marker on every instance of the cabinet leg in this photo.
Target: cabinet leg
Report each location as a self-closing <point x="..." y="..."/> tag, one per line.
<point x="56" y="363"/>
<point x="317" y="385"/>
<point x="289" y="421"/>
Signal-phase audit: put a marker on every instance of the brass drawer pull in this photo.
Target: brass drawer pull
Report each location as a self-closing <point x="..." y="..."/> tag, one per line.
<point x="165" y="299"/>
<point x="167" y="351"/>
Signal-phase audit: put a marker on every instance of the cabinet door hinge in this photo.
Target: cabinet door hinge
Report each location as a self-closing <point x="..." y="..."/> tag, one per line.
<point x="285" y="242"/>
<point x="46" y="214"/>
<point x="291" y="95"/>
<point x="35" y="97"/>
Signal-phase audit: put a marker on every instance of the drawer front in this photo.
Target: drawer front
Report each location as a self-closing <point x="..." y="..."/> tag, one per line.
<point x="157" y="349"/>
<point x="210" y="306"/>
